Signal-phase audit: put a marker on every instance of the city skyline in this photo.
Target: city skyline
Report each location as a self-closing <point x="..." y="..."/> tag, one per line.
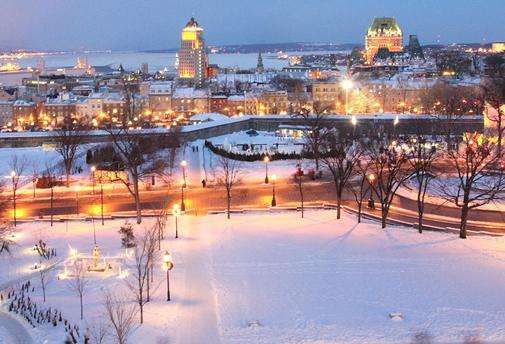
<point x="154" y="24"/>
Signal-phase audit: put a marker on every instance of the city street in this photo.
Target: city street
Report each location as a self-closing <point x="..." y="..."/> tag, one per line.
<point x="199" y="200"/>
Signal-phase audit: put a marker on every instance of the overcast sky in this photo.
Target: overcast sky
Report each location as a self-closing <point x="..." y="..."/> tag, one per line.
<point x="155" y="24"/>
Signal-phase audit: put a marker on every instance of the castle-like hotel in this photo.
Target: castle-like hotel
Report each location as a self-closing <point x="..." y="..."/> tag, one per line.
<point x="385" y="37"/>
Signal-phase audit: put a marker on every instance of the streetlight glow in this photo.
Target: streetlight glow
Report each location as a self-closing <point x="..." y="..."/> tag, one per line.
<point x="354" y="120"/>
<point x="347" y="84"/>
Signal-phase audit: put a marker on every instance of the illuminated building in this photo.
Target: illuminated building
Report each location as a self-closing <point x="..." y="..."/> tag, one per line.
<point x="498" y="47"/>
<point x="160" y="98"/>
<point x="384" y="33"/>
<point x="61" y="109"/>
<point x="327" y="95"/>
<point x="192" y="59"/>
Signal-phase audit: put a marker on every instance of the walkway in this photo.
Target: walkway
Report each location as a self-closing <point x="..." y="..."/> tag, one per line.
<point x="12" y="332"/>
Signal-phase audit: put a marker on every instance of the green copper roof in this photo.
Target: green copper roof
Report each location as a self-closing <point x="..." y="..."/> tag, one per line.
<point x="384" y="26"/>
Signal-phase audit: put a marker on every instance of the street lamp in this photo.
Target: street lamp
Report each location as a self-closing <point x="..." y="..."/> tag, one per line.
<point x="101" y="201"/>
<point x="93" y="169"/>
<point x="371" y="180"/>
<point x="354" y="122"/>
<point x="14" y="187"/>
<point x="168" y="264"/>
<point x="77" y="188"/>
<point x="176" y="211"/>
<point x="183" y="165"/>
<point x="274" y="201"/>
<point x="183" y="204"/>
<point x="347" y="85"/>
<point x="266" y="160"/>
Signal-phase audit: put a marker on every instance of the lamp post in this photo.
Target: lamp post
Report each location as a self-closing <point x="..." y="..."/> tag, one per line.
<point x="52" y="199"/>
<point x="183" y="204"/>
<point x="101" y="202"/>
<point x="354" y="122"/>
<point x="77" y="188"/>
<point x="14" y="187"/>
<point x="168" y="264"/>
<point x="176" y="211"/>
<point x="347" y="85"/>
<point x="274" y="201"/>
<point x="396" y="121"/>
<point x="183" y="165"/>
<point x="266" y="160"/>
<point x="371" y="180"/>
<point x="93" y="169"/>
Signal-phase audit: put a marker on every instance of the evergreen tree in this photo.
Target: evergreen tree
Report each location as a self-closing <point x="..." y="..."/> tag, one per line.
<point x="127" y="237"/>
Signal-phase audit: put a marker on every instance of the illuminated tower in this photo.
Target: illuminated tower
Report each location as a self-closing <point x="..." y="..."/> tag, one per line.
<point x="193" y="60"/>
<point x="384" y="33"/>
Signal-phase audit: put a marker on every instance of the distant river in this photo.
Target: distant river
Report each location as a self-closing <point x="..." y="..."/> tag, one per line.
<point x="156" y="61"/>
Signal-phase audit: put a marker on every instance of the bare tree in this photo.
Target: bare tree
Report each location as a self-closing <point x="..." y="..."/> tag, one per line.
<point x="79" y="282"/>
<point x="448" y="103"/>
<point x="128" y="147"/>
<point x="475" y="186"/>
<point x="121" y="317"/>
<point x="359" y="189"/>
<point x="6" y="241"/>
<point x="228" y="174"/>
<point x="98" y="331"/>
<point x="389" y="165"/>
<point x="68" y="139"/>
<point x="17" y="166"/>
<point x="314" y="133"/>
<point x="494" y="95"/>
<point x="422" y="157"/>
<point x="340" y="155"/>
<point x="139" y="278"/>
<point x="45" y="276"/>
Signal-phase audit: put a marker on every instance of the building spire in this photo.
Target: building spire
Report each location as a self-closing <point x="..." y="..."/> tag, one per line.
<point x="259" y="67"/>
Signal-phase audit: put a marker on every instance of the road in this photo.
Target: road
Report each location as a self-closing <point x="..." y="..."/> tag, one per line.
<point x="200" y="200"/>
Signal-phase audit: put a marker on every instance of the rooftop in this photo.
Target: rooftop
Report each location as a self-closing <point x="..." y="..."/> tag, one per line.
<point x="384" y="26"/>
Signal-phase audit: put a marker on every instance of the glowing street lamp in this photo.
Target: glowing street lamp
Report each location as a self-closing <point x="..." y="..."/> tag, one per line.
<point x="354" y="122"/>
<point x="183" y="165"/>
<point x="274" y="201"/>
<point x="266" y="160"/>
<point x="168" y="264"/>
<point x="77" y="188"/>
<point x="101" y="201"/>
<point x="347" y="85"/>
<point x="176" y="211"/>
<point x="183" y="204"/>
<point x="93" y="170"/>
<point x="371" y="180"/>
<point x="14" y="179"/>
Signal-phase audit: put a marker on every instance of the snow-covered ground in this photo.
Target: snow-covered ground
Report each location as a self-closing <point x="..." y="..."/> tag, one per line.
<point x="277" y="278"/>
<point x="36" y="160"/>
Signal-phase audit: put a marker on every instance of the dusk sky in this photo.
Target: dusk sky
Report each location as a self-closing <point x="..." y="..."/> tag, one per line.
<point x="155" y="24"/>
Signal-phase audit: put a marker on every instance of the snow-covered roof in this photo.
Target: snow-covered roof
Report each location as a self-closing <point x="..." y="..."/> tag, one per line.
<point x="190" y="92"/>
<point x="162" y="87"/>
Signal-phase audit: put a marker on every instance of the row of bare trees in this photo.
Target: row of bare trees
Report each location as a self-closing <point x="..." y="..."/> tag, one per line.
<point x="467" y="170"/>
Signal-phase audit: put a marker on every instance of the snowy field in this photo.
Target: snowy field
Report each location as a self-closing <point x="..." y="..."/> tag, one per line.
<point x="36" y="159"/>
<point x="277" y="278"/>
